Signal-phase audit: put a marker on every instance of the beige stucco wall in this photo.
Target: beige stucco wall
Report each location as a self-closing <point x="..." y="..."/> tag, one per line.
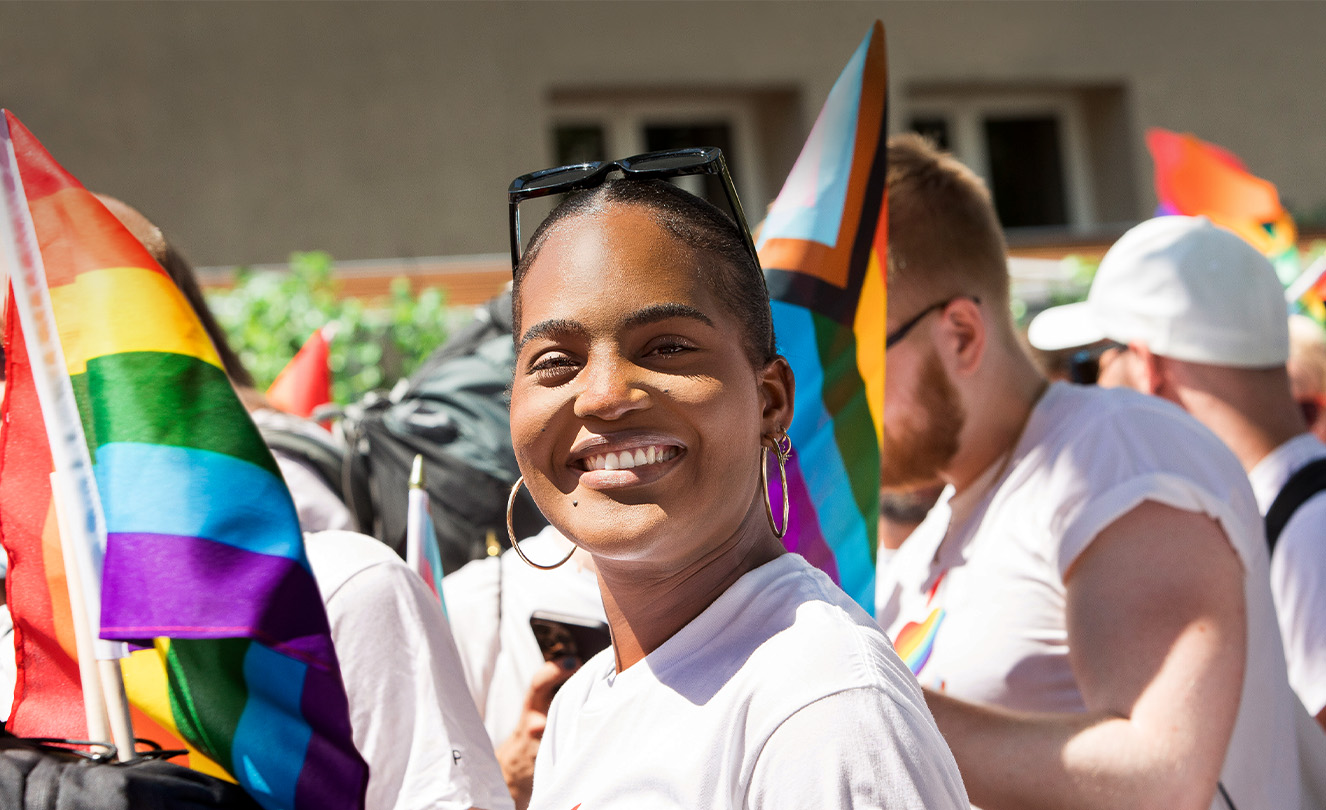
<point x="391" y="129"/>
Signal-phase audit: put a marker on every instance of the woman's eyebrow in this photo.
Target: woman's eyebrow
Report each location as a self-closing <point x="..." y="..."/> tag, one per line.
<point x="662" y="312"/>
<point x="548" y="328"/>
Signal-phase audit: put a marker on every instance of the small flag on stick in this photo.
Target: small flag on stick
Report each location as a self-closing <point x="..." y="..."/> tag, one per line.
<point x="421" y="551"/>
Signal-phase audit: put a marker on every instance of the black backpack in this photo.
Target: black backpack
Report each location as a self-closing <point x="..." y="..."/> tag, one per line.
<point x="454" y="412"/>
<point x="39" y="775"/>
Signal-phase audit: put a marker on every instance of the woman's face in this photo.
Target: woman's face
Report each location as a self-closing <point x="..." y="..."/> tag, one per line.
<point x="636" y="414"/>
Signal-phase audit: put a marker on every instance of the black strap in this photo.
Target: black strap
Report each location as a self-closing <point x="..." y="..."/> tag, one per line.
<point x="1302" y="485"/>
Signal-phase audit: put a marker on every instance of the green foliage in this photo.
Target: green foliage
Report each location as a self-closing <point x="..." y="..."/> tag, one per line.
<point x="269" y="315"/>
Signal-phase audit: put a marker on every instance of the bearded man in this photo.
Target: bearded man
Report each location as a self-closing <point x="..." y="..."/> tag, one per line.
<point x="1088" y="604"/>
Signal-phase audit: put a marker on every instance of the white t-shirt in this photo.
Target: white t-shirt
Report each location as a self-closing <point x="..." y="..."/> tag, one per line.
<point x="412" y="719"/>
<point x="1298" y="568"/>
<point x="490" y="602"/>
<point x="781" y="694"/>
<point x="983" y="617"/>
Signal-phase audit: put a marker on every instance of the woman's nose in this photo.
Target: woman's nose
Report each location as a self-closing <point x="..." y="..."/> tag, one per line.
<point x="612" y="389"/>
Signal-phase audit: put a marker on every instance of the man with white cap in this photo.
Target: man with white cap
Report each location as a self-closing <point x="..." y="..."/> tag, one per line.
<point x="1198" y="317"/>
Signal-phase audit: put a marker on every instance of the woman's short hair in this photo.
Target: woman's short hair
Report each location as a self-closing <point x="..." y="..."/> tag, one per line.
<point x="736" y="282"/>
<point x="944" y="236"/>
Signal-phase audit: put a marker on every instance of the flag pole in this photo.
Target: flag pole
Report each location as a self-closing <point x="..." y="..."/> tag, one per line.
<point x="94" y="701"/>
<point x="416" y="517"/>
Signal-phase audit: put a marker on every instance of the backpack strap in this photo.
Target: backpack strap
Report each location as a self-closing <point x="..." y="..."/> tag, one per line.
<point x="1302" y="485"/>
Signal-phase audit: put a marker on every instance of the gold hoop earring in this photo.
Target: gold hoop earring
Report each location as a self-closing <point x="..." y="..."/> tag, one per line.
<point x="511" y="532"/>
<point x="782" y="447"/>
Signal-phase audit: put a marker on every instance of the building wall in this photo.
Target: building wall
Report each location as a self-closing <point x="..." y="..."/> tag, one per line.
<point x="379" y="129"/>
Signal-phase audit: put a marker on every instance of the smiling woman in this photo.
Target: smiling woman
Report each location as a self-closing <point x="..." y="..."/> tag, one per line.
<point x="647" y="393"/>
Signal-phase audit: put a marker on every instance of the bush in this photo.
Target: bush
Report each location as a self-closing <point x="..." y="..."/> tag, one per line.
<point x="269" y="315"/>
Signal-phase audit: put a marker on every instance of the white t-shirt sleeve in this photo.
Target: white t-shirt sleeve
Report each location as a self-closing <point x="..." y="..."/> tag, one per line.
<point x="412" y="716"/>
<point x="878" y="754"/>
<point x="1298" y="583"/>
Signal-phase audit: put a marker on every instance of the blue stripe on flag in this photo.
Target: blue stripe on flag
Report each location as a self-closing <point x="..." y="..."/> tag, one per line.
<point x="160" y="489"/>
<point x="821" y="463"/>
<point x="272" y="737"/>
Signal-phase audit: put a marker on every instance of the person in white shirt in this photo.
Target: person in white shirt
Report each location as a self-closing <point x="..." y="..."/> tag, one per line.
<point x="647" y="394"/>
<point x="411" y="718"/>
<point x="490" y="602"/>
<point x="1087" y="607"/>
<point x="1201" y="318"/>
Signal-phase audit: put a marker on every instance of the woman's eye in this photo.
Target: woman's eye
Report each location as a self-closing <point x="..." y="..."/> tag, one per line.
<point x="670" y="348"/>
<point x="551" y="366"/>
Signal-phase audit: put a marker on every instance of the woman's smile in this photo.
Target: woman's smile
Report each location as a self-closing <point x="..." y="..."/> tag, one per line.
<point x="617" y="461"/>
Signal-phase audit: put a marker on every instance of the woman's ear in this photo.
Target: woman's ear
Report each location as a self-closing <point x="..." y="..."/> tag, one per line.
<point x="778" y="387"/>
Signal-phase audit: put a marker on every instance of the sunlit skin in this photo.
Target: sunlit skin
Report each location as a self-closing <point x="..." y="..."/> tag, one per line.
<point x="623" y="348"/>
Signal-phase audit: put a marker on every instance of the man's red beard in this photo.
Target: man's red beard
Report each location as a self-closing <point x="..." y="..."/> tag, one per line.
<point x="914" y="458"/>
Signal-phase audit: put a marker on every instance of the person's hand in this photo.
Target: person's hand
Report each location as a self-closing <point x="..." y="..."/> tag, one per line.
<point x="516" y="754"/>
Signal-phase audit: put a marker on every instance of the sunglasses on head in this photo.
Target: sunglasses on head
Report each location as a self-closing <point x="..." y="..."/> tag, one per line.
<point x="649" y="166"/>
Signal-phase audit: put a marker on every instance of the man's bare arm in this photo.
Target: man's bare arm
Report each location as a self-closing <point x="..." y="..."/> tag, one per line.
<point x="1157" y="639"/>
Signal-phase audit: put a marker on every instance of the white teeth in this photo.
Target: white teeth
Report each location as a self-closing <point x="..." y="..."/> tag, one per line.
<point x="629" y="459"/>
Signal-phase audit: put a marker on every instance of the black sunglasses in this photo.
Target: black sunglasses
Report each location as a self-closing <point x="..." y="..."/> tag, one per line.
<point x="1084" y="364"/>
<point x="649" y="166"/>
<point x="901" y="331"/>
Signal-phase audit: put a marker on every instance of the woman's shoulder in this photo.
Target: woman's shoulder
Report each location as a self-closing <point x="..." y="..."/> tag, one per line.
<point x="791" y="635"/>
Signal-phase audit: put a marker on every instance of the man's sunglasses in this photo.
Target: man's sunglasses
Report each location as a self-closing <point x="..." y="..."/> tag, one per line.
<point x="1084" y="365"/>
<point x="649" y="166"/>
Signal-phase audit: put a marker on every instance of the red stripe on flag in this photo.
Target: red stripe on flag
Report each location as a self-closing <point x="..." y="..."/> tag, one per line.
<point x="48" y="700"/>
<point x="40" y="173"/>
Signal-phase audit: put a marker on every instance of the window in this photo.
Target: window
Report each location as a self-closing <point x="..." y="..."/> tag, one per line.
<point x="606" y="124"/>
<point x="1050" y="157"/>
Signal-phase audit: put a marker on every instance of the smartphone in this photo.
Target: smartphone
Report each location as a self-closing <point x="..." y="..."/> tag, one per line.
<point x="560" y="635"/>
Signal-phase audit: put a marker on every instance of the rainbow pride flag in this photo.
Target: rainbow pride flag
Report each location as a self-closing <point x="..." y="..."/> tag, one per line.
<point x="1196" y="178"/>
<point x="823" y="251"/>
<point x="204" y="560"/>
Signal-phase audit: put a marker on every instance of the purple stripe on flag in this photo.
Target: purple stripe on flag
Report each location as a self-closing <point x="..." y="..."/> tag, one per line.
<point x="803" y="534"/>
<point x="339" y="777"/>
<point x="188" y="587"/>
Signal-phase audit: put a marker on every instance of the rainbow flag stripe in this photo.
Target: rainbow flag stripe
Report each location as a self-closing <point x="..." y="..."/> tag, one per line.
<point x="203" y="549"/>
<point x="822" y="248"/>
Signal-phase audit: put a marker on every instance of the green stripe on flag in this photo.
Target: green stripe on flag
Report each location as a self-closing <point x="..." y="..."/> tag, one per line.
<point x="167" y="399"/>
<point x="208" y="693"/>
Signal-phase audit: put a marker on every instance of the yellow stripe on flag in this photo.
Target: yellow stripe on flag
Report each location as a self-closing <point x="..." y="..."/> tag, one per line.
<point x="146" y="686"/>
<point x="869" y="330"/>
<point x="134" y="309"/>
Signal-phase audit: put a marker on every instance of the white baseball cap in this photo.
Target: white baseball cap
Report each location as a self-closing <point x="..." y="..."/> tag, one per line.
<point x="1185" y="289"/>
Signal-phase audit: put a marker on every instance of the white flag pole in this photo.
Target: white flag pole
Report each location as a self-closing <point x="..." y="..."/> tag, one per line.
<point x="20" y="254"/>
<point x="416" y="519"/>
<point x="94" y="701"/>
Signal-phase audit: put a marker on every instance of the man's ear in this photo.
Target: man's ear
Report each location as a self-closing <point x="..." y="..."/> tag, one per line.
<point x="1147" y="370"/>
<point x="963" y="334"/>
<point x="778" y="388"/>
